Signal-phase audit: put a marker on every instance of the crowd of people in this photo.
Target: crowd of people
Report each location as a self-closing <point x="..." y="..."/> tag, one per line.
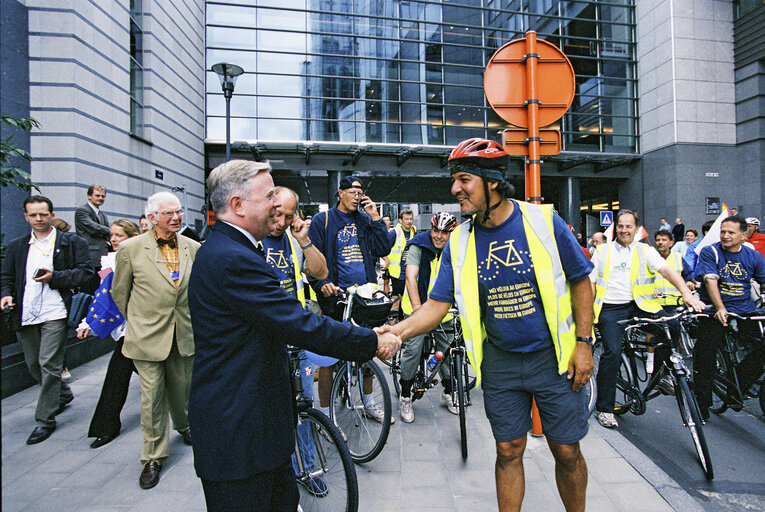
<point x="205" y="326"/>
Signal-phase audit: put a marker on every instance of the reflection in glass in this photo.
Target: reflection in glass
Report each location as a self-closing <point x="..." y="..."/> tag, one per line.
<point x="412" y="71"/>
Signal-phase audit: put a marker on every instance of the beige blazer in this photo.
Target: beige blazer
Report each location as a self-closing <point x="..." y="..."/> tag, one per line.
<point x="144" y="292"/>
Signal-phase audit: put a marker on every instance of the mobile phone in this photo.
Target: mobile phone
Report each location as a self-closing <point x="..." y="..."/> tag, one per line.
<point x="39" y="273"/>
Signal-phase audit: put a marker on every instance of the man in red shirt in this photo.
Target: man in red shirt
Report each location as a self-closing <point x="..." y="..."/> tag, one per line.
<point x="756" y="239"/>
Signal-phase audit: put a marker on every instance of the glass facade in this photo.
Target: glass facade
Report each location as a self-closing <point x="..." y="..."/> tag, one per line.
<point x="411" y="72"/>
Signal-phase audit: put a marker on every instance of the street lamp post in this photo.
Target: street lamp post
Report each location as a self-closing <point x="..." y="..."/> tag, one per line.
<point x="227" y="73"/>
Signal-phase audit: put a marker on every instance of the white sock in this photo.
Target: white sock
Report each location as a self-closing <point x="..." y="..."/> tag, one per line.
<point x="649" y="362"/>
<point x="369" y="400"/>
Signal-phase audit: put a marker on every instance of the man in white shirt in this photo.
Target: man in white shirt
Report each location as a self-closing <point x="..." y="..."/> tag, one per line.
<point x="623" y="283"/>
<point x="39" y="272"/>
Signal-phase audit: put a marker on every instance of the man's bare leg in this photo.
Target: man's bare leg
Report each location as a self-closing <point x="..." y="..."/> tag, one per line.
<point x="511" y="482"/>
<point x="570" y="475"/>
<point x="326" y="375"/>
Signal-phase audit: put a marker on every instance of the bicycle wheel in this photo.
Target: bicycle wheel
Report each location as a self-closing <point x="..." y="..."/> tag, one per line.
<point x="689" y="410"/>
<point x="327" y="481"/>
<point x="591" y="390"/>
<point x="628" y="397"/>
<point x="719" y="383"/>
<point x="395" y="372"/>
<point x="364" y="435"/>
<point x="459" y="377"/>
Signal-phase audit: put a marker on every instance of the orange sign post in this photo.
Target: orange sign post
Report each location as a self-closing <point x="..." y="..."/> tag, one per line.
<point x="530" y="83"/>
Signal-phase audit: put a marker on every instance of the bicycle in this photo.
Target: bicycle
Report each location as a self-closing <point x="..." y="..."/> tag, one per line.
<point x="322" y="463"/>
<point x="356" y="386"/>
<point x="632" y="373"/>
<point x="727" y="388"/>
<point x="462" y="377"/>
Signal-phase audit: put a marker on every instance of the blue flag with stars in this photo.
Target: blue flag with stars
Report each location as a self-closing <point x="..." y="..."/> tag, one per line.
<point x="103" y="314"/>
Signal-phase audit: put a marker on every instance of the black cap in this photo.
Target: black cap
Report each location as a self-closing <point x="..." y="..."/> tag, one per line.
<point x="348" y="182"/>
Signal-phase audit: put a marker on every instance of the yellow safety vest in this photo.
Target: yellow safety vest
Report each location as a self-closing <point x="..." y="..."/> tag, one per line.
<point x="396" y="252"/>
<point x="551" y="281"/>
<point x="297" y="264"/>
<point x="662" y="285"/>
<point x="406" y="304"/>
<point x="641" y="278"/>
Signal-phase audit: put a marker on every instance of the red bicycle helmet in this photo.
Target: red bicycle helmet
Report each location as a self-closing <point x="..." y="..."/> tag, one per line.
<point x="444" y="221"/>
<point x="484" y="152"/>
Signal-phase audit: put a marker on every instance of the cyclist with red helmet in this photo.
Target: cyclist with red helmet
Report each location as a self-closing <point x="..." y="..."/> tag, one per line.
<point x="422" y="265"/>
<point x="521" y="285"/>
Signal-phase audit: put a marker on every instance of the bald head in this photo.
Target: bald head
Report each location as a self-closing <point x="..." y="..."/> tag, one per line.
<point x="598" y="238"/>
<point x="286" y="201"/>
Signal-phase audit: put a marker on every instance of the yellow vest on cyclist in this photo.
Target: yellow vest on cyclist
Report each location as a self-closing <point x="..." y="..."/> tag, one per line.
<point x="297" y="264"/>
<point x="551" y="281"/>
<point x="406" y="304"/>
<point x="641" y="278"/>
<point x="394" y="258"/>
<point x="663" y="286"/>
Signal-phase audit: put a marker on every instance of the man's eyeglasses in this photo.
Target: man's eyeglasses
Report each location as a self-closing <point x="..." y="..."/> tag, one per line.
<point x="170" y="213"/>
<point x="354" y="193"/>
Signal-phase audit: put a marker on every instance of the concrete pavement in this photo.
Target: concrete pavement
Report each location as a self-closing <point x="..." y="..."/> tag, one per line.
<point x="420" y="468"/>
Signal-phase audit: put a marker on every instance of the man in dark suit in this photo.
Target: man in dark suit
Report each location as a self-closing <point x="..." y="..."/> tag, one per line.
<point x="92" y="225"/>
<point x="39" y="273"/>
<point x="240" y="405"/>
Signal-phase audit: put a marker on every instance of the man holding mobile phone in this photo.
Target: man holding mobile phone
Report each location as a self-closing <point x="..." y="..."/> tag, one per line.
<point x="352" y="237"/>
<point x="39" y="272"/>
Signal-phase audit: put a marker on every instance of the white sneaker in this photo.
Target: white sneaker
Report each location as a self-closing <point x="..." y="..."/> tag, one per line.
<point x="375" y="412"/>
<point x="606" y="419"/>
<point x="405" y="410"/>
<point x="446" y="400"/>
<point x="65" y="375"/>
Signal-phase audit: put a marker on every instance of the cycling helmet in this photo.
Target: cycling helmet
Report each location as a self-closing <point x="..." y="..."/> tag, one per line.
<point x="483" y="157"/>
<point x="753" y="220"/>
<point x="444" y="221"/>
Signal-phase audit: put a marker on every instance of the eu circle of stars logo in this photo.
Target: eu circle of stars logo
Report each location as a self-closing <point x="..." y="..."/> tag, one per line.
<point x="504" y="256"/>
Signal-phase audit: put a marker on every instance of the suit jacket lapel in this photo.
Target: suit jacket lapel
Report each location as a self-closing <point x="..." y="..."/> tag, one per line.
<point x="155" y="256"/>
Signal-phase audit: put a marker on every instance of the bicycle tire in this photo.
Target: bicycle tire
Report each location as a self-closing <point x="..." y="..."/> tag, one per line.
<point x="691" y="415"/>
<point x="591" y="390"/>
<point x="364" y="436"/>
<point x="395" y="372"/>
<point x="627" y="394"/>
<point x="335" y="469"/>
<point x="719" y="383"/>
<point x="457" y="372"/>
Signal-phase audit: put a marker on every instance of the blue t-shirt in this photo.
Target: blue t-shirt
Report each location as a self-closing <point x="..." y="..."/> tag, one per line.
<point x="734" y="271"/>
<point x="511" y="305"/>
<point x="350" y="262"/>
<point x="279" y="257"/>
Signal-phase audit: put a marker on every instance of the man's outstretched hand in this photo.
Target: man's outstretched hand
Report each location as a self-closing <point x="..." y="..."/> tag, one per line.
<point x="387" y="344"/>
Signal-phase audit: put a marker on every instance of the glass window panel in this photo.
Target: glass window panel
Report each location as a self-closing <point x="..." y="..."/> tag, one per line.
<point x="231" y="15"/>
<point x="281" y="19"/>
<point x="463" y="76"/>
<point x="281" y="129"/>
<point x="216" y="128"/>
<point x="280" y="107"/>
<point x="242" y="129"/>
<point x="241" y="106"/>
<point x="284" y="85"/>
<point x="281" y="41"/>
<point x="454" y="134"/>
<point x="227" y="37"/>
<point x="286" y="63"/>
<point x="247" y="60"/>
<point x="464" y="116"/>
<point x="463" y="96"/>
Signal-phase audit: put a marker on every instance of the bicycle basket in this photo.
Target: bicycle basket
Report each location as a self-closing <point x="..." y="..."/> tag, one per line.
<point x="371" y="311"/>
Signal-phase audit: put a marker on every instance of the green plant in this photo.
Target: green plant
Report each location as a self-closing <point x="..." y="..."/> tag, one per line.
<point x="10" y="175"/>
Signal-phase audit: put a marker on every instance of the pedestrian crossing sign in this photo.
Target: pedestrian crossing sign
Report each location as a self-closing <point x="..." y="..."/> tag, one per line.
<point x="606" y="218"/>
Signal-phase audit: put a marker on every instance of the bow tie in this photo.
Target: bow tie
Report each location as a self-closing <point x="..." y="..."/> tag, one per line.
<point x="170" y="242"/>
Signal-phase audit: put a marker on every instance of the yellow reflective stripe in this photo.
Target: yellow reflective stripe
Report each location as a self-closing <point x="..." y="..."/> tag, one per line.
<point x="462" y="246"/>
<point x="551" y="280"/>
<point x="662" y="284"/>
<point x="604" y="269"/>
<point x="642" y="281"/>
<point x="297" y="263"/>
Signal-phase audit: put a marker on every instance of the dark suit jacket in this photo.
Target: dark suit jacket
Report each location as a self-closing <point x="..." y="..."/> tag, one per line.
<point x="240" y="408"/>
<point x="71" y="269"/>
<point x="94" y="229"/>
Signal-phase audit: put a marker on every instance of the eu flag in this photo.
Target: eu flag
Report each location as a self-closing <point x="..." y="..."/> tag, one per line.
<point x="103" y="315"/>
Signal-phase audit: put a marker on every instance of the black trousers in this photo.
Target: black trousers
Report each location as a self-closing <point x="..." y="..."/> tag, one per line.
<point x="272" y="491"/>
<point x="106" y="418"/>
<point x="711" y="335"/>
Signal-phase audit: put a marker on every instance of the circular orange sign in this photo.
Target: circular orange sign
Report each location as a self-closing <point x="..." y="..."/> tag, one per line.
<point x="506" y="88"/>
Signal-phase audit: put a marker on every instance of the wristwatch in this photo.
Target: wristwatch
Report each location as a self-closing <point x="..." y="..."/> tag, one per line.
<point x="586" y="339"/>
<point x="304" y="247"/>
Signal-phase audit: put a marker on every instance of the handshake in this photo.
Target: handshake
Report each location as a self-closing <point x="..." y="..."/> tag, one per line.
<point x="387" y="342"/>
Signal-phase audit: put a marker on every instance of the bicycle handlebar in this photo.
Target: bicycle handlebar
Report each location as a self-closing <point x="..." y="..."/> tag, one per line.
<point x="687" y="312"/>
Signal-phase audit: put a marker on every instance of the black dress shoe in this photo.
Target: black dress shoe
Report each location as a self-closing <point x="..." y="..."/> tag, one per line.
<point x="63" y="405"/>
<point x="186" y="435"/>
<point x="150" y="475"/>
<point x="40" y="434"/>
<point x="102" y="440"/>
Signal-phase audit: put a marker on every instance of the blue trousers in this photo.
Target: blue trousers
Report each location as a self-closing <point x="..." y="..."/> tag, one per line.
<point x="612" y="335"/>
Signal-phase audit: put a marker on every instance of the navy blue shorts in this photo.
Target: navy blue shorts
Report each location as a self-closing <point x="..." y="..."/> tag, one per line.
<point x="510" y="379"/>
